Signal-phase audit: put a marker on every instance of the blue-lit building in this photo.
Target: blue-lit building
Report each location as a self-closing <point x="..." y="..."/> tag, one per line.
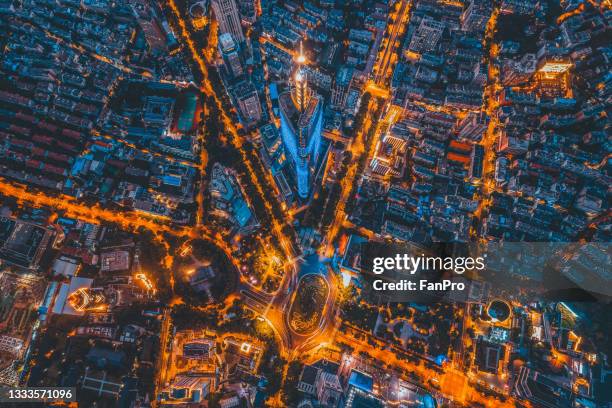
<point x="232" y="59"/>
<point x="301" y="114"/>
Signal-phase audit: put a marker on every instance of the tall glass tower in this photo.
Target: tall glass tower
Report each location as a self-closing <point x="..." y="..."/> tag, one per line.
<point x="301" y="114"/>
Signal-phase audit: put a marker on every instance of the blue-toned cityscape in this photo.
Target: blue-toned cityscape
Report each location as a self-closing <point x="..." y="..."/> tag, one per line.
<point x="192" y="193"/>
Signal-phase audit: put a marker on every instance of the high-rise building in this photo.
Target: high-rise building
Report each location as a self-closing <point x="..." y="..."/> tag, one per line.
<point x="230" y="52"/>
<point x="342" y="83"/>
<point x="272" y="149"/>
<point x="426" y="37"/>
<point x="248" y="102"/>
<point x="226" y="13"/>
<point x="301" y="114"/>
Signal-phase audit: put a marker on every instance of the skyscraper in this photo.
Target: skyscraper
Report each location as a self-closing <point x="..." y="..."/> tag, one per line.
<point x="247" y="99"/>
<point x="226" y="13"/>
<point x="301" y="112"/>
<point x="230" y="52"/>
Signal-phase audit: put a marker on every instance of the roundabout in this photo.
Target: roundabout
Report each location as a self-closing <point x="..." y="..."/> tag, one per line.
<point x="307" y="306"/>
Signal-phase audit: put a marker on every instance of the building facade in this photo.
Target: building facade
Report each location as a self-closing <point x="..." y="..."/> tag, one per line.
<point x="226" y="13"/>
<point x="476" y="16"/>
<point x="230" y="53"/>
<point x="247" y="99"/>
<point x="342" y="83"/>
<point x="426" y="37"/>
